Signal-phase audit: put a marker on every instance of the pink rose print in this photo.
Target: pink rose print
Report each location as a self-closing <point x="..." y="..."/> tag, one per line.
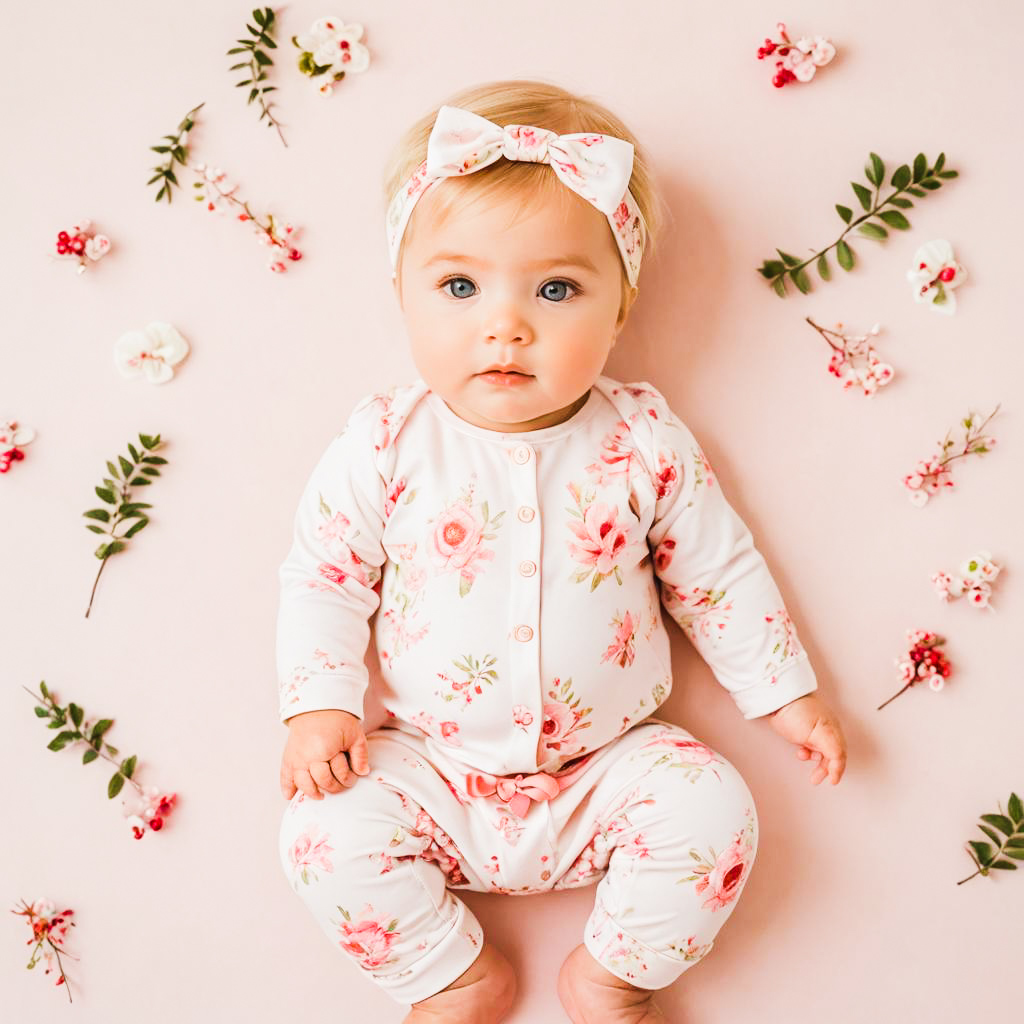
<point x="622" y="649"/>
<point x="667" y="475"/>
<point x="599" y="540"/>
<point x="290" y="687"/>
<point x="722" y="876"/>
<point x="679" y="752"/>
<point x="457" y="542"/>
<point x="477" y="674"/>
<point x="693" y="950"/>
<point x="702" y="469"/>
<point x="664" y="554"/>
<point x="562" y="720"/>
<point x="700" y="613"/>
<point x="394" y="493"/>
<point x="787" y="645"/>
<point x="310" y="851"/>
<point x="325" y="660"/>
<point x="618" y="456"/>
<point x="369" y="939"/>
<point x="436" y="846"/>
<point x="448" y="732"/>
<point x="522" y="716"/>
<point x="621" y="950"/>
<point x="332" y="533"/>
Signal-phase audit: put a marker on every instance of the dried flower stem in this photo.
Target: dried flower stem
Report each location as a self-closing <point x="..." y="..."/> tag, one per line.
<point x="41" y="931"/>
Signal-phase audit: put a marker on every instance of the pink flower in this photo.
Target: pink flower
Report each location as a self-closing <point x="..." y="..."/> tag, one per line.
<point x="689" y="751"/>
<point x="663" y="554"/>
<point x="623" y="648"/>
<point x="458" y="538"/>
<point x="559" y="722"/>
<point x="522" y="715"/>
<point x="368" y="940"/>
<point x="601" y="541"/>
<point x="310" y="851"/>
<point x="725" y="878"/>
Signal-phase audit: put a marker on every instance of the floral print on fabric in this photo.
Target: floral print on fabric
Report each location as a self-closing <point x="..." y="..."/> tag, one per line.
<point x="333" y="533"/>
<point x="787" y="645"/>
<point x="700" y="613"/>
<point x="478" y="673"/>
<point x="399" y="625"/>
<point x="600" y="541"/>
<point x="563" y="719"/>
<point x="309" y="852"/>
<point x="369" y="937"/>
<point x="622" y="649"/>
<point x="458" y="538"/>
<point x="720" y="877"/>
<point x="677" y="751"/>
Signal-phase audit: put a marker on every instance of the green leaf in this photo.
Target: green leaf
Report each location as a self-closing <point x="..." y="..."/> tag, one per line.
<point x="903" y="204"/>
<point x="113" y="471"/>
<point x="170" y="177"/>
<point x="771" y="268"/>
<point x="89" y="755"/>
<point x="262" y="59"/>
<point x="126" y="466"/>
<point x="114" y="547"/>
<point x="779" y="284"/>
<point x="134" y="529"/>
<point x="150" y="471"/>
<point x="863" y="194"/>
<point x="931" y="184"/>
<point x="877" y="170"/>
<point x="159" y="195"/>
<point x="130" y="507"/>
<point x="915" y="192"/>
<point x="1005" y="865"/>
<point x="106" y="495"/>
<point x="994" y="836"/>
<point x="801" y="280"/>
<point x="238" y="85"/>
<point x="259" y="17"/>
<point x="135" y="455"/>
<point x="895" y="219"/>
<point x="1015" y="809"/>
<point x="98" y="513"/>
<point x="155" y="460"/>
<point x="920" y="166"/>
<point x="870" y="230"/>
<point x="844" y="255"/>
<point x="95" y="529"/>
<point x="40" y="712"/>
<point x="901" y="177"/>
<point x="824" y="270"/>
<point x="253" y="93"/>
<point x="790" y="261"/>
<point x="128" y="766"/>
<point x="1016" y="854"/>
<point x="238" y="49"/>
<point x="845" y="212"/>
<point x="76" y="714"/>
<point x="1001" y="822"/>
<point x="115" y="784"/>
<point x="43" y="690"/>
<point x="983" y="850"/>
<point x="100" y="728"/>
<point x="140" y="481"/>
<point x="111" y="750"/>
<point x="57" y="744"/>
<point x="949" y="174"/>
<point x="149" y="441"/>
<point x="160" y="149"/>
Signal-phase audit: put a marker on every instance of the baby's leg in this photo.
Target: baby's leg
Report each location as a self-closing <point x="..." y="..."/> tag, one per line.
<point x="682" y="829"/>
<point x="373" y="869"/>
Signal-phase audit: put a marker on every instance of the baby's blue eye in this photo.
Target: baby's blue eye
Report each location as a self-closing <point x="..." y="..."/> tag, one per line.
<point x="556" y="284"/>
<point x="461" y="282"/>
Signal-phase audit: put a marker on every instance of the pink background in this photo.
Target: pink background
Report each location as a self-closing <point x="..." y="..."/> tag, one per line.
<point x="851" y="909"/>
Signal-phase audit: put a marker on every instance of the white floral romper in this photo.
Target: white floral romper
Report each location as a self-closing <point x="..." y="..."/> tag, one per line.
<point x="517" y="581"/>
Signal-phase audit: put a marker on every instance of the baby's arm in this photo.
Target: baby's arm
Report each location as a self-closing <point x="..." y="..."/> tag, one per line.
<point x="717" y="586"/>
<point x="329" y="590"/>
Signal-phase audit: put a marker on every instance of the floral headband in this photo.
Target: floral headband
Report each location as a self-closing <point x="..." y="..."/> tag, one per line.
<point x="596" y="167"/>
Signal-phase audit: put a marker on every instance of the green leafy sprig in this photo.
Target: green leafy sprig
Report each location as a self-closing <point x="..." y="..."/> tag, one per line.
<point x="177" y="152"/>
<point x="116" y="492"/>
<point x="259" y="60"/>
<point x="75" y="728"/>
<point x="917" y="181"/>
<point x="1011" y="825"/>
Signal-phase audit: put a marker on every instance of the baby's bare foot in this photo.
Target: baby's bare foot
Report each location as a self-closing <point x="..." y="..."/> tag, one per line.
<point x="593" y="995"/>
<point x="483" y="994"/>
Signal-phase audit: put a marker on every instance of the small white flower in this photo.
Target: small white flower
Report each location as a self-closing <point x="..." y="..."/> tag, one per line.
<point x="919" y="498"/>
<point x="97" y="247"/>
<point x="936" y="683"/>
<point x="150" y="353"/>
<point x="335" y="46"/>
<point x="13" y="436"/>
<point x="935" y="274"/>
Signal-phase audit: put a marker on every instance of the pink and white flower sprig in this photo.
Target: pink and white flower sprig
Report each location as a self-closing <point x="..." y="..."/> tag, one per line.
<point x="800" y="60"/>
<point x="83" y="244"/>
<point x="152" y="806"/>
<point x="219" y="196"/>
<point x="923" y="662"/>
<point x="854" y="360"/>
<point x="933" y="474"/>
<point x="935" y="274"/>
<point x="974" y="582"/>
<point x="49" y="929"/>
<point x="330" y="49"/>
<point x="12" y="437"/>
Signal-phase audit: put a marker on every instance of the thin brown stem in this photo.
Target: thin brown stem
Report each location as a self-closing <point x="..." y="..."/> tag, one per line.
<point x="895" y="695"/>
<point x="95" y="582"/>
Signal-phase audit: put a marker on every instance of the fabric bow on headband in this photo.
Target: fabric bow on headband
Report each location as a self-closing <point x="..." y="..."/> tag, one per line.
<point x="596" y="167"/>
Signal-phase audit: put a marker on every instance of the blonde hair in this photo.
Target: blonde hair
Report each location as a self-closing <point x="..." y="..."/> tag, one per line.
<point x="529" y="102"/>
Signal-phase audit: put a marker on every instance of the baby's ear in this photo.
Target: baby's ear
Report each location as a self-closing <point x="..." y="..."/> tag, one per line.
<point x="627" y="305"/>
<point x="398" y="290"/>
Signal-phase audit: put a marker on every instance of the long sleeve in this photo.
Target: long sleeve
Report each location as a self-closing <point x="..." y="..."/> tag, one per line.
<point x="715" y="583"/>
<point x="329" y="580"/>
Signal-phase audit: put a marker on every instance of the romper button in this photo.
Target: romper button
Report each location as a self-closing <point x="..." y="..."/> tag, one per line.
<point x="521" y="454"/>
<point x="525" y="513"/>
<point x="527" y="568"/>
<point x="523" y="633"/>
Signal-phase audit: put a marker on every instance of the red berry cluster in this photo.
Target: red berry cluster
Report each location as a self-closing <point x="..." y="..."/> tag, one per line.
<point x="783" y="75"/>
<point x="154" y="817"/>
<point x="67" y="244"/>
<point x="9" y="456"/>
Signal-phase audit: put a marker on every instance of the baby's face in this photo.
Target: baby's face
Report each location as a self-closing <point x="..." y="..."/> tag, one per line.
<point x="477" y="293"/>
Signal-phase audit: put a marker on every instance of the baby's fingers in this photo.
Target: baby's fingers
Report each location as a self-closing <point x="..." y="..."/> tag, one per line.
<point x="323" y="777"/>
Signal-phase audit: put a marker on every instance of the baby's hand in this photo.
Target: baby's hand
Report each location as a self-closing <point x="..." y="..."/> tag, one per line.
<point x="314" y="756"/>
<point x="812" y="726"/>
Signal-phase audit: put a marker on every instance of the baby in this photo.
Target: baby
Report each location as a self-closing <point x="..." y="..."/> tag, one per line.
<point x="516" y="519"/>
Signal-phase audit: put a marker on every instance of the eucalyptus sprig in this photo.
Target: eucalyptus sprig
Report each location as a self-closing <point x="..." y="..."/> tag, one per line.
<point x="177" y="152"/>
<point x="917" y="181"/>
<point x="75" y="728"/>
<point x="116" y="492"/>
<point x="258" y="61"/>
<point x="1011" y="825"/>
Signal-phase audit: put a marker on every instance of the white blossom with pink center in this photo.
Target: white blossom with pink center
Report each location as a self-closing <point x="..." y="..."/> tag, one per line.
<point x="335" y="49"/>
<point x="934" y="275"/>
<point x="150" y="353"/>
